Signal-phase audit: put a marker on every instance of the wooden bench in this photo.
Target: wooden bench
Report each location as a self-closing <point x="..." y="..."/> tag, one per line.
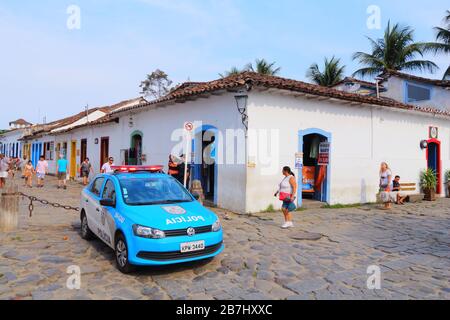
<point x="408" y="187"/>
<point x="410" y="190"/>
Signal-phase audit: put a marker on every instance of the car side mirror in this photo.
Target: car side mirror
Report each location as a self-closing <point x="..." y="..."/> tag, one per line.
<point x="196" y="196"/>
<point x="108" y="203"/>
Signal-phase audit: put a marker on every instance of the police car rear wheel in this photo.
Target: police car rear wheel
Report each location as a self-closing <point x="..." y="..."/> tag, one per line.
<point x="86" y="233"/>
<point x="122" y="255"/>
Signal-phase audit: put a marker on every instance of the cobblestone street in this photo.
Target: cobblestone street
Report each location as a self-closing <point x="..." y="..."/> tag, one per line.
<point x="411" y="245"/>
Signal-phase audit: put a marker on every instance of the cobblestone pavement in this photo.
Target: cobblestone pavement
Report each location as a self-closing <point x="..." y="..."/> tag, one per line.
<point x="261" y="261"/>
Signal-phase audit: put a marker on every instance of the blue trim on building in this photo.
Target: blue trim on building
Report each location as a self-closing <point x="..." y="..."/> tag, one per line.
<point x="325" y="197"/>
<point x="421" y="85"/>
<point x="197" y="167"/>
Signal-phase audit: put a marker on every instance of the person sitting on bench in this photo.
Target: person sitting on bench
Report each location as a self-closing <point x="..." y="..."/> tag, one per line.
<point x="396" y="191"/>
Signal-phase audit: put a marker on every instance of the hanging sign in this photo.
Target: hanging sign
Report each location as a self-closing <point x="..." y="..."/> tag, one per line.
<point x="324" y="154"/>
<point x="299" y="161"/>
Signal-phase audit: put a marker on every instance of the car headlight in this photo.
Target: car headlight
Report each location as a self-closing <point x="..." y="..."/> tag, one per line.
<point x="217" y="226"/>
<point x="146" y="232"/>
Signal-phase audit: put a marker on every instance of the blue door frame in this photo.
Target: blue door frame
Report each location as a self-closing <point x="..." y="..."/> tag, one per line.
<point x="197" y="167"/>
<point x="36" y="152"/>
<point x="325" y="197"/>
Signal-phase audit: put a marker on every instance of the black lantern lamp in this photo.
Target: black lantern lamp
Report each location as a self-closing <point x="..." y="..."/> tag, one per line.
<point x="241" y="103"/>
<point x="424" y="144"/>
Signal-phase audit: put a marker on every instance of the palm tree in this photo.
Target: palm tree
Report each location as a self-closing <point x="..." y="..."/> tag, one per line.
<point x="332" y="73"/>
<point x="443" y="41"/>
<point x="396" y="51"/>
<point x="232" y="72"/>
<point x="263" y="67"/>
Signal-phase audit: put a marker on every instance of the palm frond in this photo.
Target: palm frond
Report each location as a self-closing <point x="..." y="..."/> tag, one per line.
<point x="447" y="74"/>
<point x="333" y="72"/>
<point x="367" y="72"/>
<point x="397" y="50"/>
<point x="420" y="65"/>
<point x="233" y="71"/>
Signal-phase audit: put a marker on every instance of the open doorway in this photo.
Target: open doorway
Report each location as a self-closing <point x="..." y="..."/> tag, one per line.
<point x="314" y="174"/>
<point x="434" y="161"/>
<point x="83" y="150"/>
<point x="135" y="153"/>
<point x="104" y="150"/>
<point x="204" y="148"/>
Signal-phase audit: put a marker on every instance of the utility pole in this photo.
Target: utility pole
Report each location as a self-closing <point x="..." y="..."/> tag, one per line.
<point x="87" y="112"/>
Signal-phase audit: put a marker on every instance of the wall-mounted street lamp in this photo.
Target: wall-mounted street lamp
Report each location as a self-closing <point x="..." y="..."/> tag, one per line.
<point x="241" y="103"/>
<point x="424" y="144"/>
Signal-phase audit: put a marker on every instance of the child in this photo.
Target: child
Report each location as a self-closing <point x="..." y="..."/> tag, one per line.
<point x="41" y="171"/>
<point x="28" y="172"/>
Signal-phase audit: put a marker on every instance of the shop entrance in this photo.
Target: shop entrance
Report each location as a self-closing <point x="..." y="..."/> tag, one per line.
<point x="205" y="167"/>
<point x="313" y="181"/>
<point x="434" y="161"/>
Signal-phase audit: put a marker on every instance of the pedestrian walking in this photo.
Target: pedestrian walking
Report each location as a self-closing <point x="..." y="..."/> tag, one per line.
<point x="22" y="164"/>
<point x="287" y="193"/>
<point x="85" y="170"/>
<point x="41" y="171"/>
<point x="61" y="172"/>
<point x="13" y="167"/>
<point x="4" y="167"/>
<point x="29" y="172"/>
<point x="385" y="185"/>
<point x="107" y="167"/>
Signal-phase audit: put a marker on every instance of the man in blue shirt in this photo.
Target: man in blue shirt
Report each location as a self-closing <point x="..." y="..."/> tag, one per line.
<point x="61" y="172"/>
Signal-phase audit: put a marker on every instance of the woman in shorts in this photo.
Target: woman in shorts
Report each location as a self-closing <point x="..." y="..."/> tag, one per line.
<point x="85" y="170"/>
<point x="41" y="171"/>
<point x="287" y="193"/>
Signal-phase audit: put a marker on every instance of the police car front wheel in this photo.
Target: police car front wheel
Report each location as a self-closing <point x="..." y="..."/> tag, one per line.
<point x="86" y="233"/>
<point x="121" y="249"/>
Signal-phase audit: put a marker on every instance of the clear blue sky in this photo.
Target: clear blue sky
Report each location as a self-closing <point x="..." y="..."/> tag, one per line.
<point x="48" y="70"/>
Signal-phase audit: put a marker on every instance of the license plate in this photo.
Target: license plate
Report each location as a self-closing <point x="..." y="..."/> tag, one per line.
<point x="192" y="246"/>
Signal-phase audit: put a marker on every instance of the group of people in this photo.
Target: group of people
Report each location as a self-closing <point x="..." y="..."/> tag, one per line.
<point x="390" y="188"/>
<point x="9" y="168"/>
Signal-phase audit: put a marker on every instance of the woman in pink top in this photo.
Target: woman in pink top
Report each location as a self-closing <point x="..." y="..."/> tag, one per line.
<point x="41" y="171"/>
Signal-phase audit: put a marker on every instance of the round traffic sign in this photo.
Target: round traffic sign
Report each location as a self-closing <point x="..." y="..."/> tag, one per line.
<point x="189" y="126"/>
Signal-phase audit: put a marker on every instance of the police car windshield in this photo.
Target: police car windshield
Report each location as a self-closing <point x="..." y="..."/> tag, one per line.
<point x="142" y="191"/>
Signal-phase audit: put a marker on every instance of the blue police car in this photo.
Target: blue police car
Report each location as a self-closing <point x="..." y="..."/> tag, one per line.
<point x="148" y="218"/>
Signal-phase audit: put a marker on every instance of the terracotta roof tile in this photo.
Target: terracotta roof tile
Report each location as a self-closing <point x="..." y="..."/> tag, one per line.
<point x="236" y="82"/>
<point x="362" y="82"/>
<point x="21" y="122"/>
<point x="436" y="82"/>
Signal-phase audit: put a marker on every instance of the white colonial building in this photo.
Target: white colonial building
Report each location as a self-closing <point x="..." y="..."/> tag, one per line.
<point x="247" y="127"/>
